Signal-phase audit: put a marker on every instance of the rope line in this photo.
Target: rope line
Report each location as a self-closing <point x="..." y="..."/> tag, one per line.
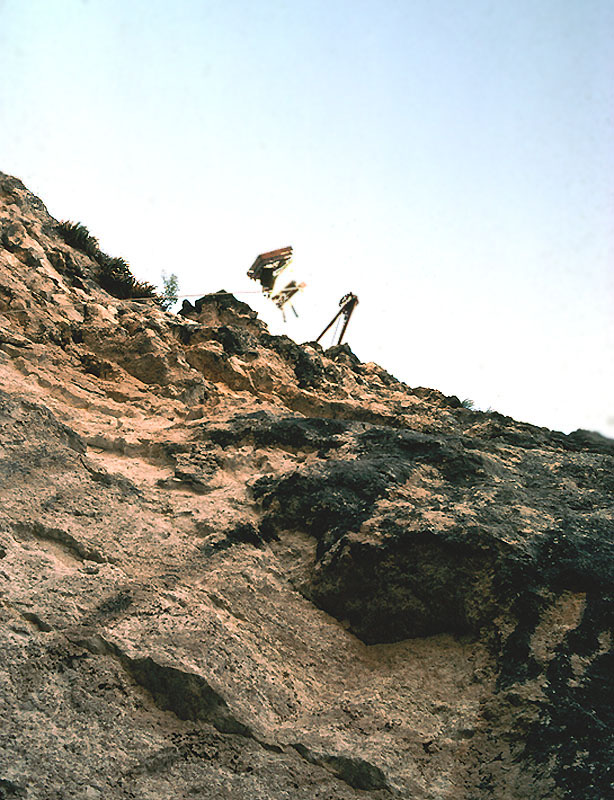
<point x="152" y="299"/>
<point x="200" y="294"/>
<point x="336" y="330"/>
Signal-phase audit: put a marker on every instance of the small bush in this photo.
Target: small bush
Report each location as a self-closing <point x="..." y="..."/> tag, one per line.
<point x="170" y="291"/>
<point x="468" y="403"/>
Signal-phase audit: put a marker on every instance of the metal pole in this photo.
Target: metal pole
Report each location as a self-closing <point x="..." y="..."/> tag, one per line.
<point x="330" y="324"/>
<point x="351" y="301"/>
<point x="347" y="309"/>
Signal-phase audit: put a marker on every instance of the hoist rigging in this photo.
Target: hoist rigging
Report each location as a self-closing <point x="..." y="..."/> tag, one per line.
<point x="347" y="304"/>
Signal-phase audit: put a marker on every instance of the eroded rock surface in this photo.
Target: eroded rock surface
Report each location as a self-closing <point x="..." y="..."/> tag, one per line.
<point x="236" y="567"/>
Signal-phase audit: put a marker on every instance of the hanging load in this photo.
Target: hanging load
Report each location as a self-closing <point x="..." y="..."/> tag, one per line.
<point x="268" y="266"/>
<point x="286" y="294"/>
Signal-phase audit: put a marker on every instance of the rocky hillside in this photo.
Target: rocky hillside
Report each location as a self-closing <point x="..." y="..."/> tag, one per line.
<point x="233" y="567"/>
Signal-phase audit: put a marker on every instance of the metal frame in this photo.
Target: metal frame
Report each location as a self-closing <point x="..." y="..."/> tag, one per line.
<point x="348" y="303"/>
<point x="272" y="263"/>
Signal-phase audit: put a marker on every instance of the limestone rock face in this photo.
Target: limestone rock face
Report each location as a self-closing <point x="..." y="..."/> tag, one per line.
<point x="237" y="567"/>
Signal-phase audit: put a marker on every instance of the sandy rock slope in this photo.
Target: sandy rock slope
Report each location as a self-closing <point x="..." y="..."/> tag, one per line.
<point x="236" y="567"/>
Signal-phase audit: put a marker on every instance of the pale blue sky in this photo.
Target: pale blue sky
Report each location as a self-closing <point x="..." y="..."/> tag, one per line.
<point x="450" y="162"/>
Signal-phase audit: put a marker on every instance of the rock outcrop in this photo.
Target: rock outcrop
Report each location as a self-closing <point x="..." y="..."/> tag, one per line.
<point x="237" y="567"/>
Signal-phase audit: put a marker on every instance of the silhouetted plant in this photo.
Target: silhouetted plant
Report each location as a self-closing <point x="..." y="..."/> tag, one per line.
<point x="114" y="274"/>
<point x="467" y="403"/>
<point x="146" y="289"/>
<point x="77" y="235"/>
<point x="115" y="277"/>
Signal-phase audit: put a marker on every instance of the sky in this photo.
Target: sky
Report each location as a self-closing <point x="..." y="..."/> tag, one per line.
<point x="450" y="162"/>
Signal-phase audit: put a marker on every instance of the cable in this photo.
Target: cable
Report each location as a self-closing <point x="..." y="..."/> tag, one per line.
<point x="201" y="294"/>
<point x="336" y="331"/>
<point x="153" y="299"/>
<point x="198" y="294"/>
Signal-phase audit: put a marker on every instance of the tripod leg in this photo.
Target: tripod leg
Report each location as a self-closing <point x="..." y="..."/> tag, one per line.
<point x="348" y="313"/>
<point x="330" y="324"/>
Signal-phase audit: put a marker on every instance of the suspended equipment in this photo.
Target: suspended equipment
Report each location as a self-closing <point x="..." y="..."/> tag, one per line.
<point x="284" y="296"/>
<point x="267" y="267"/>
